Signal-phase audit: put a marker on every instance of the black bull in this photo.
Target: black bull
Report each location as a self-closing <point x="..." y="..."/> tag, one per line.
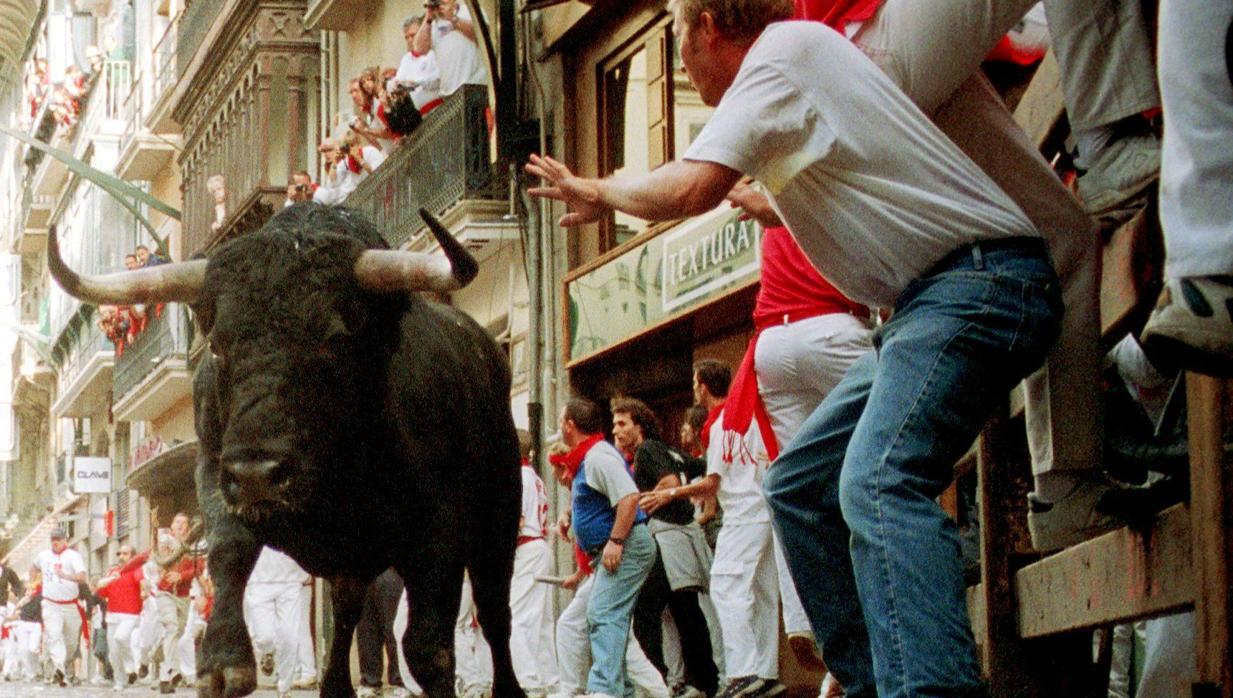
<point x="356" y="431"/>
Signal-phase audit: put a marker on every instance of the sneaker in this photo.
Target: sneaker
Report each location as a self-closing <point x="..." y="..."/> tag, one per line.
<point x="1192" y="326"/>
<point x="143" y="671"/>
<point x="769" y="688"/>
<point x="396" y="692"/>
<point x="58" y="679"/>
<point x="741" y="686"/>
<point x="368" y="692"/>
<point x="267" y="663"/>
<point x="1115" y="183"/>
<point x="805" y="649"/>
<point x="684" y="690"/>
<point x="308" y="683"/>
<point x="1071" y="520"/>
<point x="132" y="678"/>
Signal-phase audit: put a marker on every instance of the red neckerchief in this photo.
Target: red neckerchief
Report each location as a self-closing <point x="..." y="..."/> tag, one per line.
<point x="705" y="436"/>
<point x="573" y="460"/>
<point x="353" y="164"/>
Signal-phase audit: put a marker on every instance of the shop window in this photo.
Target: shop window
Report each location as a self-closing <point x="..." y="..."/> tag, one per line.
<point x="649" y="114"/>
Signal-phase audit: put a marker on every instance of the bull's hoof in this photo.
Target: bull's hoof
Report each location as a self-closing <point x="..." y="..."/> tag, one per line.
<point x="231" y="682"/>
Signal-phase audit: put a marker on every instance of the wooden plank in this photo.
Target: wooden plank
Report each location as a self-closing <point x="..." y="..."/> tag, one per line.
<point x="1042" y="105"/>
<point x="1130" y="275"/>
<point x="1121" y="576"/>
<point x="1211" y="486"/>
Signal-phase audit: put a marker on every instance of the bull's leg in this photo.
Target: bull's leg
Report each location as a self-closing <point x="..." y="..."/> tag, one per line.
<point x="347" y="599"/>
<point x="491" y="567"/>
<point x="227" y="667"/>
<point x="433" y="598"/>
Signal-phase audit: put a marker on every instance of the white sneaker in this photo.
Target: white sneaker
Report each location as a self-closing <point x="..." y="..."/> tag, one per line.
<point x="1192" y="325"/>
<point x="397" y="692"/>
<point x="1071" y="520"/>
<point x="367" y="692"/>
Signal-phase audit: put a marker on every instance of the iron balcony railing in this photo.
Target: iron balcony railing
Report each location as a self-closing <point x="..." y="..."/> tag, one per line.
<point x="166" y="57"/>
<point x="195" y="23"/>
<point x="442" y="162"/>
<point x="132" y="114"/>
<point x="166" y="335"/>
<point x="79" y="350"/>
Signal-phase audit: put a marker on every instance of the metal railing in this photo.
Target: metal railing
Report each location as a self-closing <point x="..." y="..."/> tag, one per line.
<point x="91" y="341"/>
<point x="166" y="58"/>
<point x="116" y="81"/>
<point x="166" y="335"/>
<point x="132" y="114"/>
<point x="196" y="19"/>
<point x="442" y="162"/>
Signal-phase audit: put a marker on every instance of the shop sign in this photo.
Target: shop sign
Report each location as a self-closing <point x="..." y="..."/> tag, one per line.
<point x="668" y="275"/>
<point x="91" y="475"/>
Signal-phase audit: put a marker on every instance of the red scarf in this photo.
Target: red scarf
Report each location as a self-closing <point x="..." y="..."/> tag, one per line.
<point x="573" y="460"/>
<point x="744" y="405"/>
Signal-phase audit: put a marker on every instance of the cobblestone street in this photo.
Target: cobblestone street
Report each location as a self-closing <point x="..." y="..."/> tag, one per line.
<point x="26" y="690"/>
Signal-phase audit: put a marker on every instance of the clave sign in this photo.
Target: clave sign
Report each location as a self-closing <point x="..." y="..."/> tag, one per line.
<point x="91" y="475"/>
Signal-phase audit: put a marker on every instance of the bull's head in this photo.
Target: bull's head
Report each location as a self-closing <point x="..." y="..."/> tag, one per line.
<point x="301" y="318"/>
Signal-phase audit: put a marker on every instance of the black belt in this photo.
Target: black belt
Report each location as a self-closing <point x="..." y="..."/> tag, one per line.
<point x="977" y="250"/>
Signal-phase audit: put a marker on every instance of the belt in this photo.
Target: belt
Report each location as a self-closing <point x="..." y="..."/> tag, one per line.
<point x="976" y="251"/>
<point x="522" y="540"/>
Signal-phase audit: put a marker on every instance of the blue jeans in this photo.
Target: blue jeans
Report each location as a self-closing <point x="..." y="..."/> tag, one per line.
<point x="610" y="611"/>
<point x="853" y="494"/>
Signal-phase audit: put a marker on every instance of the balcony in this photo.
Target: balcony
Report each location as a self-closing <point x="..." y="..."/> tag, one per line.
<point x="442" y="167"/>
<point x="245" y="101"/>
<point x="30" y="234"/>
<point x="142" y="153"/>
<point x="84" y="358"/>
<point x="157" y="115"/>
<point x="151" y="373"/>
<point x="338" y="15"/>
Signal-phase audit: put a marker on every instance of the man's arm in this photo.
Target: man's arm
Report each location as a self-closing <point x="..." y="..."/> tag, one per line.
<point x="422" y="43"/>
<point x="626" y="510"/>
<point x="663" y="494"/>
<point x="679" y="189"/>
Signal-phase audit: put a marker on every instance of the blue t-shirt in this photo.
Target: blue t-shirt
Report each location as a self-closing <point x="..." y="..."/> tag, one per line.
<point x="602" y="481"/>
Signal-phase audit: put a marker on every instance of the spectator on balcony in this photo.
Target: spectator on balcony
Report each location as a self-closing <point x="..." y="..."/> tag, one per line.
<point x="145" y="258"/>
<point x="37" y="85"/>
<point x="347" y="164"/>
<point x="418" y="78"/>
<point x="217" y="185"/>
<point x="448" y="31"/>
<point x="95" y="58"/>
<point x="130" y="262"/>
<point x="300" y="188"/>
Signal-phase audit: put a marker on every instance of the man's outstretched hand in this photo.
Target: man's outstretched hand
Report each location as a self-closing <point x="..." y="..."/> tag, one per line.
<point x="579" y="194"/>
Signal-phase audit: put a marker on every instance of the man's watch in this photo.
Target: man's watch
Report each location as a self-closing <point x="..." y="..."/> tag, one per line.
<point x="618" y="541"/>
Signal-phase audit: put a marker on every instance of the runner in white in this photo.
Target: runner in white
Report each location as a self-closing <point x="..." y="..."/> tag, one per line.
<point x="63" y="570"/>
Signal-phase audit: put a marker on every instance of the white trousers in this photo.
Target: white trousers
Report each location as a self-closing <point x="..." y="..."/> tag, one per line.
<point x="306" y="656"/>
<point x="798" y="364"/>
<point x="1169" y="667"/>
<point x="472" y="655"/>
<point x="919" y="52"/>
<point x="272" y="613"/>
<point x="1196" y="167"/>
<point x="29" y="637"/>
<point x="401" y="618"/>
<point x="149" y="632"/>
<point x="531" y="640"/>
<point x="574" y="651"/>
<point x="186" y="646"/>
<point x="745" y="590"/>
<point x="61" y="632"/>
<point x="120" y="629"/>
<point x="172" y="617"/>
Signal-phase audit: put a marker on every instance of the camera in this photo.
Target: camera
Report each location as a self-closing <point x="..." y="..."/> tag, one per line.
<point x="301" y="188"/>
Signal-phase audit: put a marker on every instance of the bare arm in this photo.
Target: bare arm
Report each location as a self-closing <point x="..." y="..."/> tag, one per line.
<point x="653" y="500"/>
<point x="626" y="510"/>
<point x="679" y="189"/>
<point x="423" y="38"/>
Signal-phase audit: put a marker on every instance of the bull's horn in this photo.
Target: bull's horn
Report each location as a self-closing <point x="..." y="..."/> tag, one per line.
<point x="166" y="283"/>
<point x="387" y="271"/>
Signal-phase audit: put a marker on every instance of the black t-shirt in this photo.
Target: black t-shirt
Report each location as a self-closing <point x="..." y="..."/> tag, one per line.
<point x="654" y="461"/>
<point x="32" y="611"/>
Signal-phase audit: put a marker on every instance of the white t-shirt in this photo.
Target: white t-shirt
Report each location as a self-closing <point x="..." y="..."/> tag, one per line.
<point x="56" y="587"/>
<point x="422" y="72"/>
<point x="874" y="192"/>
<point x="274" y="567"/>
<point x="740" y="481"/>
<point x="457" y="56"/>
<point x="534" y="505"/>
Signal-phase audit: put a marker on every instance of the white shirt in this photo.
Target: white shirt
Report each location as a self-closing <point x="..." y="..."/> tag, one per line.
<point x="274" y="567"/>
<point x="56" y="587"/>
<point x="423" y="73"/>
<point x="534" y="505"/>
<point x="740" y="481"/>
<point x="874" y="192"/>
<point x="457" y="56"/>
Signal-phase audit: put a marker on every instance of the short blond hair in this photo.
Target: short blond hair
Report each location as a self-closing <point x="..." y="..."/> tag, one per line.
<point x="740" y="20"/>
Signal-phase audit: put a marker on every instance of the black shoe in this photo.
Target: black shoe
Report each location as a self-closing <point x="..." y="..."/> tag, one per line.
<point x="143" y="671"/>
<point x="164" y="687"/>
<point x="132" y="678"/>
<point x="176" y="680"/>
